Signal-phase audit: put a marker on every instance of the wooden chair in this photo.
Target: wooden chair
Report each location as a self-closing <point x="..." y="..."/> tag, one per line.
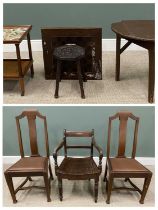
<point x="121" y="166"/>
<point x="73" y="168"/>
<point x="35" y="165"/>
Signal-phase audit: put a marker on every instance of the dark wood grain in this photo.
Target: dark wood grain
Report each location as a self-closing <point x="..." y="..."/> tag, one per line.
<point x="141" y="33"/>
<point x="35" y="165"/>
<point x="73" y="168"/>
<point x="121" y="166"/>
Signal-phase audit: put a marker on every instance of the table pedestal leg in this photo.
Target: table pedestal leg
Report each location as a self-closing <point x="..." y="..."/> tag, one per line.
<point x="118" y="43"/>
<point x="151" y="83"/>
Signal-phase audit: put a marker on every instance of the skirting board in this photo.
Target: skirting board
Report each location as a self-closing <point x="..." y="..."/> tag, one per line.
<point x="143" y="160"/>
<point x="107" y="45"/>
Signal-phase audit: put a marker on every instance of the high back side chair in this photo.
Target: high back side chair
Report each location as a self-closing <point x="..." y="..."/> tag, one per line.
<point x="122" y="166"/>
<point x="35" y="165"/>
<point x="73" y="168"/>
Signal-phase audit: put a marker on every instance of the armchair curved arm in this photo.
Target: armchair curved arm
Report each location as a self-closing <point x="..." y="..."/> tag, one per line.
<point x="55" y="153"/>
<point x="100" y="153"/>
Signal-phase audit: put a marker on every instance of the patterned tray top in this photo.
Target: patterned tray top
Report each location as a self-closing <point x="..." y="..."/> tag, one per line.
<point x="13" y="34"/>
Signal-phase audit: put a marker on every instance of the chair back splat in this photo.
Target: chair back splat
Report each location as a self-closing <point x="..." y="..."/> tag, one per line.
<point x="31" y="118"/>
<point x="123" y="118"/>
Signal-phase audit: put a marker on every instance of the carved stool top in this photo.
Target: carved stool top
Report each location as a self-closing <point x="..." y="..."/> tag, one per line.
<point x="69" y="52"/>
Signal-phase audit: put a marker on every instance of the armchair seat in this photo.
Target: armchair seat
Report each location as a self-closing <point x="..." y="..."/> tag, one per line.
<point x="74" y="168"/>
<point x="77" y="167"/>
<point x="126" y="165"/>
<point x="30" y="164"/>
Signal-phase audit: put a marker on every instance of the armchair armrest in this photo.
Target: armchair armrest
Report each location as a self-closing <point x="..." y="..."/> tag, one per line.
<point x="55" y="153"/>
<point x="100" y="153"/>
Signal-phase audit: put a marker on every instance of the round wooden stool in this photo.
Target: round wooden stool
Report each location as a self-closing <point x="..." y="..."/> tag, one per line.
<point x="69" y="53"/>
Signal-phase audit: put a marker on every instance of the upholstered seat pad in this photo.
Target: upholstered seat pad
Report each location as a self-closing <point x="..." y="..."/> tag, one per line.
<point x="30" y="164"/>
<point x="78" y="166"/>
<point x="126" y="165"/>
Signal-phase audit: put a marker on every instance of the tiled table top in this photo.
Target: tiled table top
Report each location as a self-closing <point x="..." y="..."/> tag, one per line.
<point x="14" y="34"/>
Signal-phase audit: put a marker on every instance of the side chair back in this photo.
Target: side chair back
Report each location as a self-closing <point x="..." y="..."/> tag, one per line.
<point x="32" y="116"/>
<point x="123" y="118"/>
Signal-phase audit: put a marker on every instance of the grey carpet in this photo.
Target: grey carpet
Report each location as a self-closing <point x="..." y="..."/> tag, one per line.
<point x="79" y="193"/>
<point x="133" y="87"/>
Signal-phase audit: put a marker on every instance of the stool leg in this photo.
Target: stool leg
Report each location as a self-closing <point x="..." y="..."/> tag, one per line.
<point x="58" y="76"/>
<point x="80" y="79"/>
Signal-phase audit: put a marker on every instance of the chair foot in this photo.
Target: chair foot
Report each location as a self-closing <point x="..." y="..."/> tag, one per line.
<point x="141" y="202"/>
<point x="56" y="96"/>
<point x="22" y="93"/>
<point x="83" y="95"/>
<point x="15" y="201"/>
<point x="107" y="201"/>
<point x="104" y="180"/>
<point x="49" y="200"/>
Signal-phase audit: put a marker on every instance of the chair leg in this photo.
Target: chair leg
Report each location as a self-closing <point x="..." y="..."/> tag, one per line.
<point x="47" y="186"/>
<point x="60" y="189"/>
<point x="96" y="190"/>
<point x="109" y="188"/>
<point x="126" y="179"/>
<point x="50" y="171"/>
<point x="58" y="77"/>
<point x="32" y="71"/>
<point x="30" y="179"/>
<point x="145" y="188"/>
<point x="106" y="168"/>
<point x="80" y="79"/>
<point x="11" y="187"/>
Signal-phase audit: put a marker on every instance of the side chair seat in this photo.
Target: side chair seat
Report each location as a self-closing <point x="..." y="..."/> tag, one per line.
<point x="30" y="164"/>
<point x="77" y="167"/>
<point x="126" y="165"/>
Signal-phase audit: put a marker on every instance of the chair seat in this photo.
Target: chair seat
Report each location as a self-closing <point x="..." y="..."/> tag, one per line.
<point x="78" y="166"/>
<point x="30" y="164"/>
<point x="126" y="165"/>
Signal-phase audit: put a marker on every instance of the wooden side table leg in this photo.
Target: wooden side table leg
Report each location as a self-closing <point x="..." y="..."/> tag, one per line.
<point x="151" y="83"/>
<point x="80" y="79"/>
<point x="21" y="77"/>
<point x="22" y="86"/>
<point x="118" y="45"/>
<point x="30" y="54"/>
<point x="58" y="76"/>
